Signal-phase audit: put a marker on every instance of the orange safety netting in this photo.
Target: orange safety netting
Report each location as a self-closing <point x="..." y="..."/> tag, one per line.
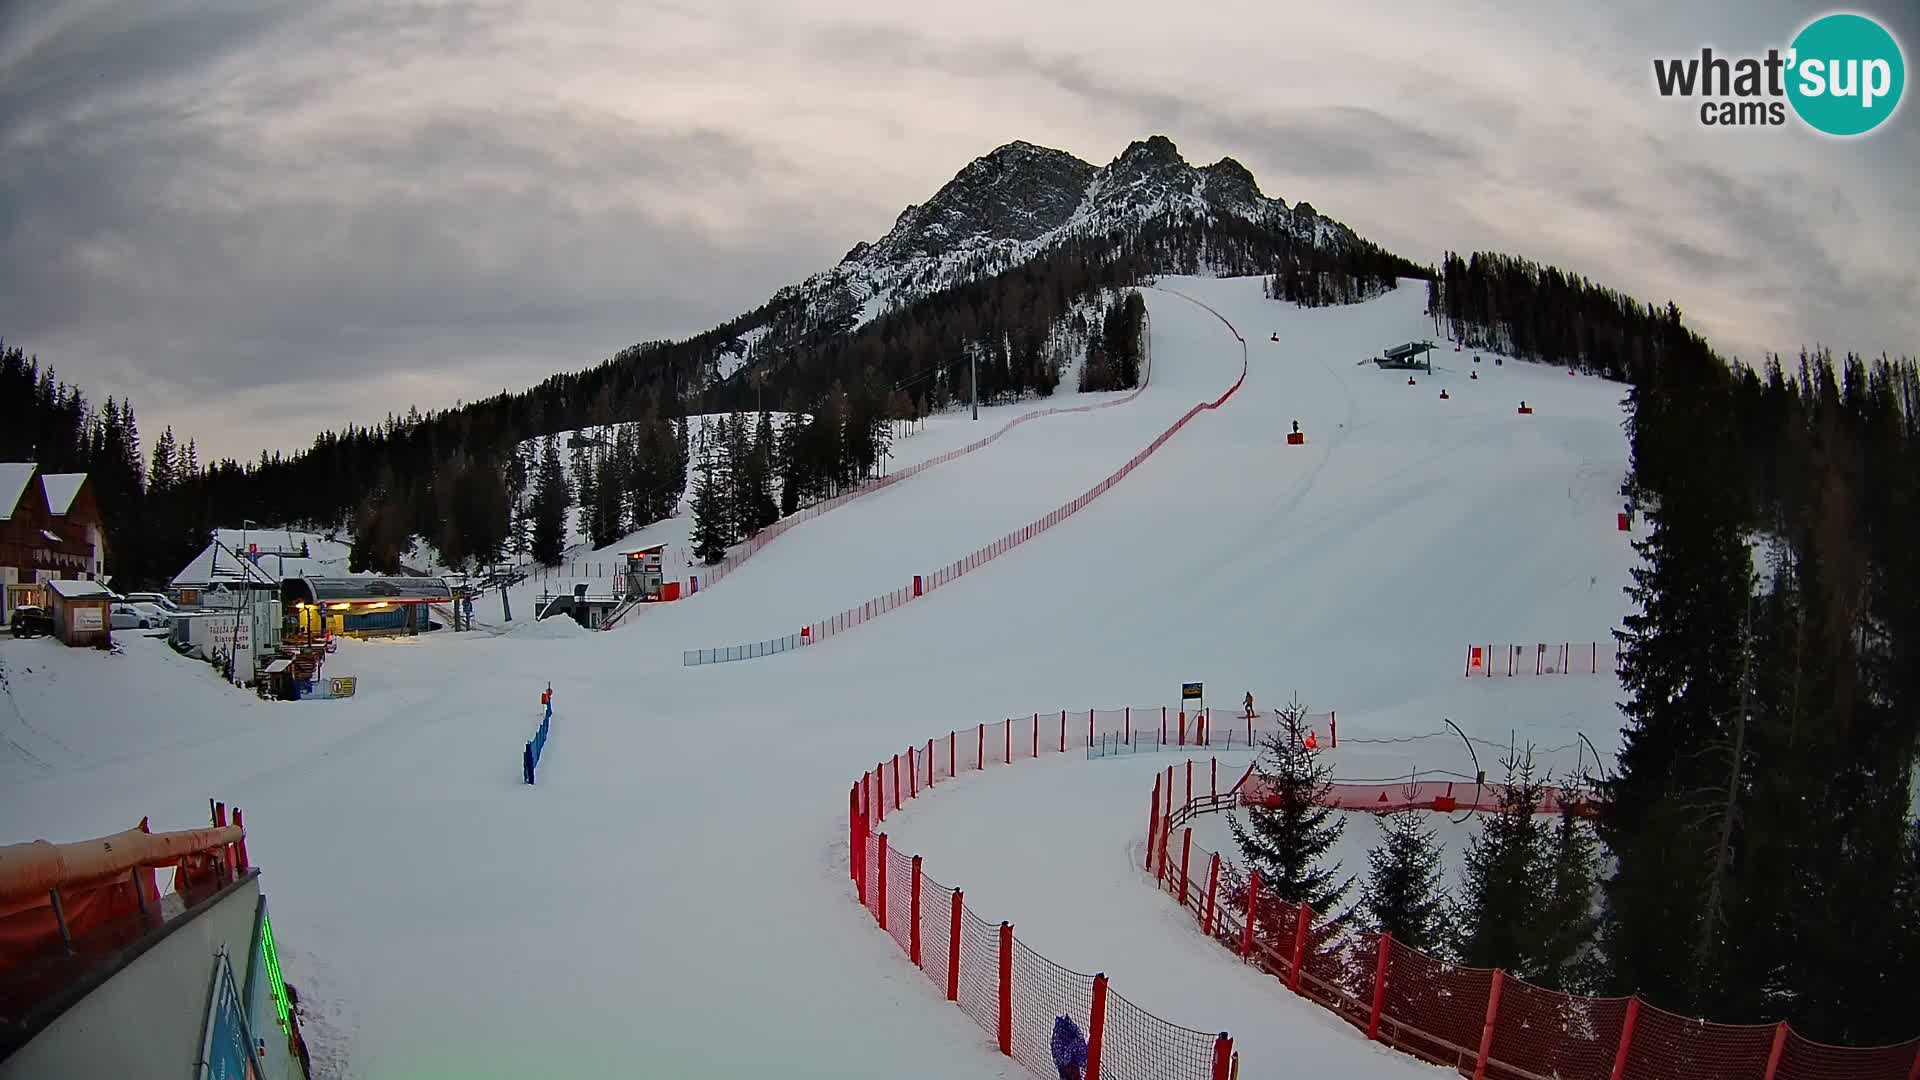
<point x="1451" y="1015"/>
<point x="1014" y="994"/>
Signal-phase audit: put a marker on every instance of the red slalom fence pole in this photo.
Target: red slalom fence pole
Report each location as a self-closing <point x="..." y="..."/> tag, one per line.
<point x="896" y="781"/>
<point x="1379" y="987"/>
<point x="980" y="758"/>
<point x="880" y="786"/>
<point x="1213" y="783"/>
<point x="953" y="762"/>
<point x="1486" y="1032"/>
<point x="1009" y="734"/>
<point x="1006" y="989"/>
<point x="1222" y="1056"/>
<point x="914" y="915"/>
<point x="1626" y="1040"/>
<point x="1128" y="738"/>
<point x="1189" y="782"/>
<point x="1097" y="1026"/>
<point x="1036" y="735"/>
<point x="913" y="776"/>
<point x="1163" y="725"/>
<point x="953" y="946"/>
<point x="1333" y="727"/>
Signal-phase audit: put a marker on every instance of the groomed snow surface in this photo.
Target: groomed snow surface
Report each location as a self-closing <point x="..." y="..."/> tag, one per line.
<point x="672" y="899"/>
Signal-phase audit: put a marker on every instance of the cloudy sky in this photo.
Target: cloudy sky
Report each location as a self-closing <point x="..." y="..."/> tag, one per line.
<point x="258" y="218"/>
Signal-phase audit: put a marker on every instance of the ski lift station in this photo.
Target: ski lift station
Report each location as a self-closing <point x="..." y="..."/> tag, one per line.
<point x="1408" y="357"/>
<point x="363" y="606"/>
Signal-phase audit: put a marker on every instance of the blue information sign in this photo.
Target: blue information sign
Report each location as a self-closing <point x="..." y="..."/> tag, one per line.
<point x="229" y="1046"/>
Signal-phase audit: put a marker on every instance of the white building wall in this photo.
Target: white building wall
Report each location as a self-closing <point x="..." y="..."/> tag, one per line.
<point x="147" y="1019"/>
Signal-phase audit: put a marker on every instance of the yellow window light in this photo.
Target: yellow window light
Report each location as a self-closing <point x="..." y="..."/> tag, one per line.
<point x="342" y="606"/>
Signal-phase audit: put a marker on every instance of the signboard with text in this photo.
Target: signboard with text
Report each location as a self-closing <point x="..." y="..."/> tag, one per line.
<point x="89" y="618"/>
<point x="1190" y="691"/>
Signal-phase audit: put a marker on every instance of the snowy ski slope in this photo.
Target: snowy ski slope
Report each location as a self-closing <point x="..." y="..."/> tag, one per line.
<point x="671" y="899"/>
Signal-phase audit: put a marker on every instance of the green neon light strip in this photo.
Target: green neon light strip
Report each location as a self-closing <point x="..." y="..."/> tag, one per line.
<point x="281" y="1004"/>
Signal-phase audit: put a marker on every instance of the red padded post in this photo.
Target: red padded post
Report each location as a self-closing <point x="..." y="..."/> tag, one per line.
<point x="1006" y="989"/>
<point x="1009" y="734"/>
<point x="933" y="765"/>
<point x="1189" y="801"/>
<point x="913" y="775"/>
<point x="1186" y="856"/>
<point x="1486" y="1032"/>
<point x="1097" y="1026"/>
<point x="1379" y="987"/>
<point x="1163" y="725"/>
<point x="1213" y="891"/>
<point x="1222" y="1057"/>
<point x="1626" y="1041"/>
<point x="1299" y="947"/>
<point x="913" y="915"/>
<point x="240" y="845"/>
<point x="882" y="913"/>
<point x="1333" y="726"/>
<point x="1089" y="729"/>
<point x="1253" y="911"/>
<point x="1183" y="727"/>
<point x="1036" y="735"/>
<point x="1779" y="1047"/>
<point x="1128" y="729"/>
<point x="980" y="753"/>
<point x="1213" y="782"/>
<point x="953" y="946"/>
<point x="1063" y="730"/>
<point x="896" y="781"/>
<point x="953" y="762"/>
<point x="1153" y="820"/>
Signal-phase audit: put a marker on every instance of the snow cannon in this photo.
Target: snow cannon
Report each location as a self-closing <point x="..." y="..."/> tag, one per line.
<point x="1296" y="437"/>
<point x="1473" y="375"/>
<point x="1526" y="409"/>
<point x="1571" y="373"/>
<point x="1410" y="380"/>
<point x="1443" y="394"/>
<point x="1275" y="337"/>
<point x="1476" y="358"/>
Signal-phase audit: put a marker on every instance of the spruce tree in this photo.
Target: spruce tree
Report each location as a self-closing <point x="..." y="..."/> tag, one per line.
<point x="1286" y="835"/>
<point x="709" y="537"/>
<point x="1566" y="918"/>
<point x="551" y="500"/>
<point x="1503" y="877"/>
<point x="1403" y="894"/>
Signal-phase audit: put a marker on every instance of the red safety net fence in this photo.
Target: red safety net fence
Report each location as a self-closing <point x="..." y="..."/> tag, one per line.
<point x="1013" y="993"/>
<point x="1481" y="1022"/>
<point x="922" y="584"/>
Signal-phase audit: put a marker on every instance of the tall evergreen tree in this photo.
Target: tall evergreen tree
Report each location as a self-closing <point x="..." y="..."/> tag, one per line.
<point x="551" y="500"/>
<point x="1288" y="834"/>
<point x="709" y="537"/>
<point x="1502" y="879"/>
<point x="1567" y="917"/>
<point x="1403" y="894"/>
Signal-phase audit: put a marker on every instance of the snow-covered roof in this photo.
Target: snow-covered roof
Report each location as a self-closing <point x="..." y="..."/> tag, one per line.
<point x="14" y="478"/>
<point x="77" y="590"/>
<point x="217" y="563"/>
<point x="60" y="489"/>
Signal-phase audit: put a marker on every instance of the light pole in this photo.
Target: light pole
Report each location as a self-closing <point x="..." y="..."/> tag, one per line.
<point x="246" y="576"/>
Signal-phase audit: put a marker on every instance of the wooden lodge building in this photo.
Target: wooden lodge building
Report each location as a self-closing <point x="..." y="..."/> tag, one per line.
<point x="50" y="529"/>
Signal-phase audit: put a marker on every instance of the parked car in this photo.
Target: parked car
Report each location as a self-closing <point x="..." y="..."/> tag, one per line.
<point x="140" y="616"/>
<point x="30" y="621"/>
<point x="148" y="598"/>
<point x="158" y="616"/>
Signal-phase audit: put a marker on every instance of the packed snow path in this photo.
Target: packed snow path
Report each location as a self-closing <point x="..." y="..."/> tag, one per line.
<point x="671" y="899"/>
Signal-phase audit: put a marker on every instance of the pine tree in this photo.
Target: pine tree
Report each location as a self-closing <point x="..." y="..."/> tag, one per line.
<point x="709" y="536"/>
<point x="1287" y="835"/>
<point x="1566" y="919"/>
<point x="551" y="501"/>
<point x="1503" y="878"/>
<point x="1403" y="894"/>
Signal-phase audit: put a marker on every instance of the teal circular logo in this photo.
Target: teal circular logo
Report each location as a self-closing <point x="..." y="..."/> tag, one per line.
<point x="1846" y="74"/>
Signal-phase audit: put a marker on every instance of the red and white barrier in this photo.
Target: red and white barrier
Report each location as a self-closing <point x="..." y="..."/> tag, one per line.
<point x="1543" y="658"/>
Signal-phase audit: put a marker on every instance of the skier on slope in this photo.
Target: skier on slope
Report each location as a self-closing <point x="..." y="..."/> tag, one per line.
<point x="1249" y="704"/>
<point x="1069" y="1048"/>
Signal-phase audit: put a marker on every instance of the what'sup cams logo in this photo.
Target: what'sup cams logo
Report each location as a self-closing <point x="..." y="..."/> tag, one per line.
<point x="1843" y="75"/>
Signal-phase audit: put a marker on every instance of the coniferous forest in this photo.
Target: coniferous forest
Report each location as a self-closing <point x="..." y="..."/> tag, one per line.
<point x="1756" y="855"/>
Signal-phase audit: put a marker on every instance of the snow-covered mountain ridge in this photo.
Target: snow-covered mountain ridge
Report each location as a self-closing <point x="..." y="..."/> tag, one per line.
<point x="1011" y="206"/>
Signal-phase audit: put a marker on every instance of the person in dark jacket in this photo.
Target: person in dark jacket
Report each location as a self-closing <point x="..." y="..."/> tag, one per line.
<point x="1069" y="1048"/>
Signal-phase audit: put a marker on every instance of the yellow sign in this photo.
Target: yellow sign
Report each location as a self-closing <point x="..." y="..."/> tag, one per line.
<point x="340" y="687"/>
<point x="1190" y="691"/>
